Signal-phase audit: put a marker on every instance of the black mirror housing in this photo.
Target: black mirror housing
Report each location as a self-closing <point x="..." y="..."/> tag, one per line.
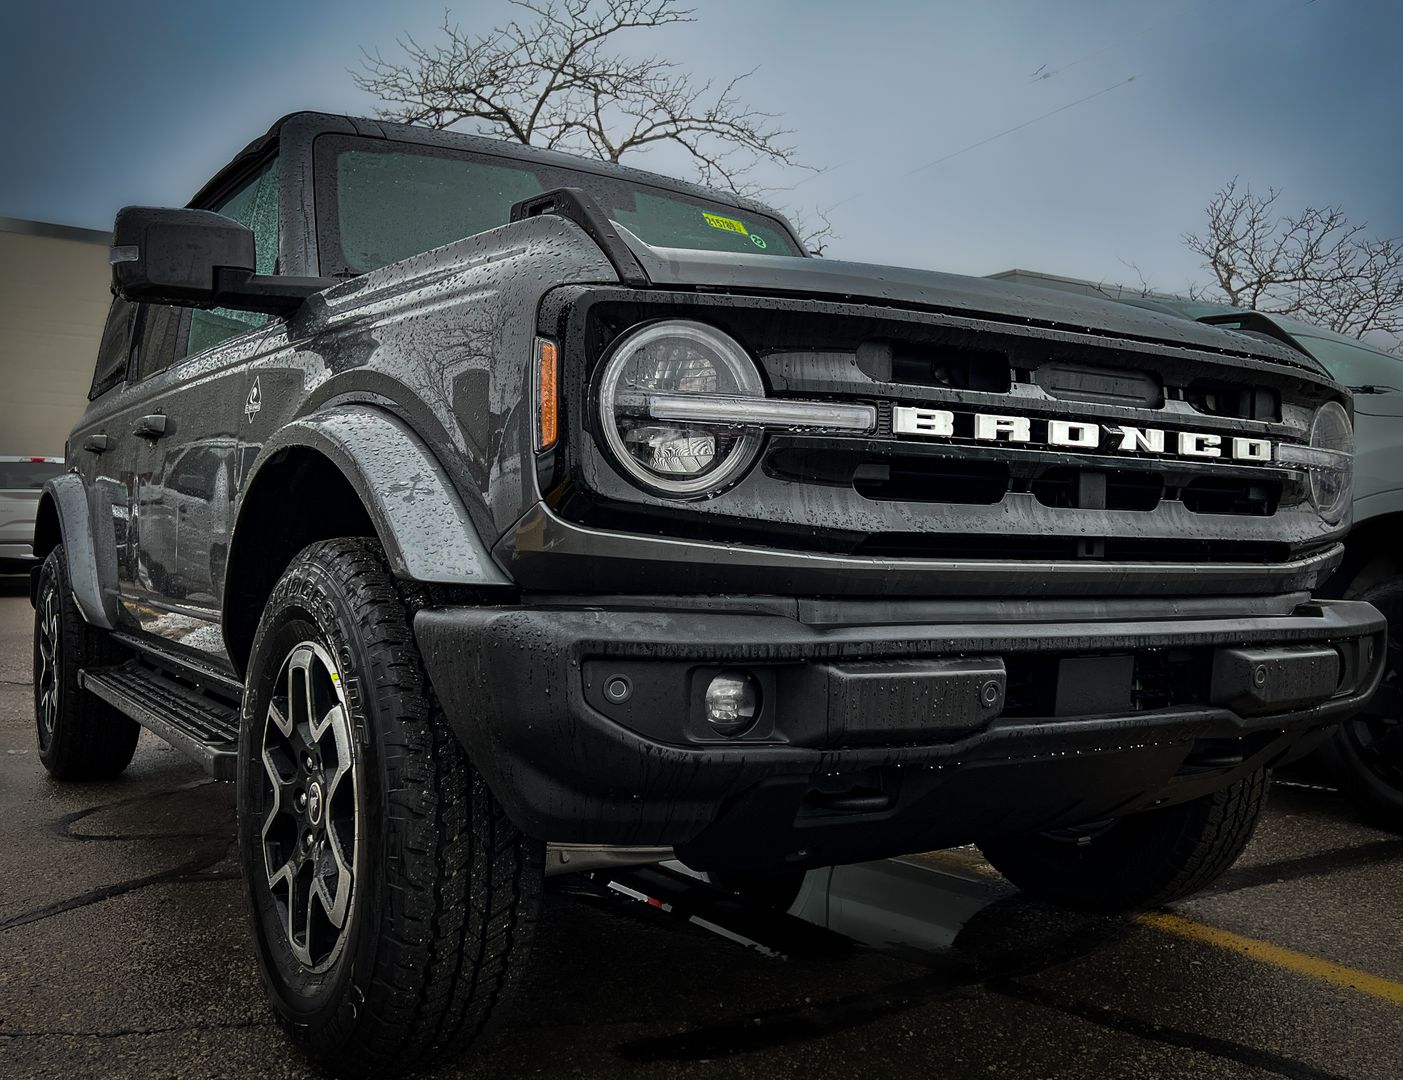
<point x="172" y="256"/>
<point x="196" y="258"/>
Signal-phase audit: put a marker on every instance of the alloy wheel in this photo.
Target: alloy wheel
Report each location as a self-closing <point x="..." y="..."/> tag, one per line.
<point x="312" y="825"/>
<point x="46" y="682"/>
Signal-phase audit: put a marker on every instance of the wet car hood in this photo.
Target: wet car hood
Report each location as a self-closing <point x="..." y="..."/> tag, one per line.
<point x="953" y="293"/>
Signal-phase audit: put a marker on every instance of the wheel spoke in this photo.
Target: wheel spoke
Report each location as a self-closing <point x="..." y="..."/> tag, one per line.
<point x="299" y="911"/>
<point x="281" y="791"/>
<point x="332" y="885"/>
<point x="310" y="829"/>
<point x="283" y="875"/>
<point x="281" y="722"/>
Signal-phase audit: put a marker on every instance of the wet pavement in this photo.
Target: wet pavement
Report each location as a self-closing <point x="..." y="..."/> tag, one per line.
<point x="124" y="951"/>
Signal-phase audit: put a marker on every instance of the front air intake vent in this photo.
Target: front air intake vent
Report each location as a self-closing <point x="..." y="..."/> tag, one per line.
<point x="1245" y="402"/>
<point x="1069" y="381"/>
<point x="949" y="365"/>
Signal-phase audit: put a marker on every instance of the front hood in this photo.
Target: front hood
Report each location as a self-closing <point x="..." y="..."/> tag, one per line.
<point x="952" y="293"/>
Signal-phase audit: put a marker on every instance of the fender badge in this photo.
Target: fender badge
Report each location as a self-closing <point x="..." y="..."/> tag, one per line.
<point x="254" y="402"/>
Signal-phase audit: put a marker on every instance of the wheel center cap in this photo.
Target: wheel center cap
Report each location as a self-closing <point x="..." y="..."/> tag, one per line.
<point x="314" y="804"/>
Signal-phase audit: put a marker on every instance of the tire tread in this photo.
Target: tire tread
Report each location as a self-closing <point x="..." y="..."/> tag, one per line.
<point x="462" y="883"/>
<point x="1145" y="860"/>
<point x="91" y="739"/>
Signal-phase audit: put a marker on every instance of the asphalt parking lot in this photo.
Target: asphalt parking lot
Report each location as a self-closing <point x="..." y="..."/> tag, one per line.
<point x="123" y="952"/>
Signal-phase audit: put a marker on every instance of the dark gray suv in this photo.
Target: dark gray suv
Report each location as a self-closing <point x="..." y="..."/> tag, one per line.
<point x="486" y="513"/>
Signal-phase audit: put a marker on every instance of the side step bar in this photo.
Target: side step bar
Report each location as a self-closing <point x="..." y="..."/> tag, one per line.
<point x="204" y="728"/>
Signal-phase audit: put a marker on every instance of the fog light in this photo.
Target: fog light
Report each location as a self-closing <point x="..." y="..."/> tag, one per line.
<point x="732" y="703"/>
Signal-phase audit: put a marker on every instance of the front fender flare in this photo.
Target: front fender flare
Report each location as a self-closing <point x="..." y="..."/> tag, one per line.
<point x="419" y="518"/>
<point x="92" y="565"/>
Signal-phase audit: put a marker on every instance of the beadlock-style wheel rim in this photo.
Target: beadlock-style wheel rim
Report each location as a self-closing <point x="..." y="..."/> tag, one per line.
<point x="46" y="685"/>
<point x="311" y="832"/>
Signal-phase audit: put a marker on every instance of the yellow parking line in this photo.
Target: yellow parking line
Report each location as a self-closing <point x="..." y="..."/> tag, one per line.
<point x="1267" y="953"/>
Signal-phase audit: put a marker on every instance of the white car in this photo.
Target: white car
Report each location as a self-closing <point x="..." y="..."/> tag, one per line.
<point x="21" y="483"/>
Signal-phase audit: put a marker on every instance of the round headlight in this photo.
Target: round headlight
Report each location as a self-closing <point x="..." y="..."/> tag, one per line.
<point x="1332" y="478"/>
<point x="667" y="361"/>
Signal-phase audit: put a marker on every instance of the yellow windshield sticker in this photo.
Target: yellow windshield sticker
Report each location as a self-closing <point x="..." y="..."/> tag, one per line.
<point x="716" y="221"/>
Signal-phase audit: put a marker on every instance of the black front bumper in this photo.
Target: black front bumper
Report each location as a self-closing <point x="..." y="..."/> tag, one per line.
<point x="880" y="734"/>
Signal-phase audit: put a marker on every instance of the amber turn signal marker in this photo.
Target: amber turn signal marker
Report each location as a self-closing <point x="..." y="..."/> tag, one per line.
<point x="548" y="406"/>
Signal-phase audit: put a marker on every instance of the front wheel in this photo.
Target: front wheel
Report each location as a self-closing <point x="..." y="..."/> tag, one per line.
<point x="393" y="902"/>
<point x="1142" y="860"/>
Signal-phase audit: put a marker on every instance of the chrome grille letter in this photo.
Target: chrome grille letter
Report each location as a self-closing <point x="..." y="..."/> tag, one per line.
<point x="1133" y="438"/>
<point x="908" y="421"/>
<point x="1251" y="449"/>
<point x="1073" y="433"/>
<point x="989" y="428"/>
<point x="1192" y="444"/>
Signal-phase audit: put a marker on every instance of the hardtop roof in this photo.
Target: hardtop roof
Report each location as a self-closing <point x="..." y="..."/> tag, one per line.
<point x="312" y="124"/>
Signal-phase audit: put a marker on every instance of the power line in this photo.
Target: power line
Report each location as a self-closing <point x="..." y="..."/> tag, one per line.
<point x="998" y="135"/>
<point x="1018" y="127"/>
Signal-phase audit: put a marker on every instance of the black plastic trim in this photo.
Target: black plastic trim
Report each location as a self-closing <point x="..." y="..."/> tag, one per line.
<point x="577" y="205"/>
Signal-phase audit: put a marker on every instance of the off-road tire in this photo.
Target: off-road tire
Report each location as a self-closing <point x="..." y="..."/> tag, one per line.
<point x="1142" y="860"/>
<point x="446" y="890"/>
<point x="1352" y="753"/>
<point x="82" y="737"/>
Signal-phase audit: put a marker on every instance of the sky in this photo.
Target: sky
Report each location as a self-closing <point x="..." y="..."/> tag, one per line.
<point x="1128" y="116"/>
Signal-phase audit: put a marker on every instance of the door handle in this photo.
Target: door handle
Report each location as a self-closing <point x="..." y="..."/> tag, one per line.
<point x="151" y="427"/>
<point x="95" y="444"/>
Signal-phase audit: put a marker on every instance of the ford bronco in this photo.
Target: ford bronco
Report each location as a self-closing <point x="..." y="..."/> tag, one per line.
<point x="485" y="513"/>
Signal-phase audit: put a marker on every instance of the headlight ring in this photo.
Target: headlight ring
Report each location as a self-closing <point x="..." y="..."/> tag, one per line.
<point x="679" y="359"/>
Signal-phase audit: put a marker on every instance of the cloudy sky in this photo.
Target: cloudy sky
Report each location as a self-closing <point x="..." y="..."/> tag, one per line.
<point x="1127" y="115"/>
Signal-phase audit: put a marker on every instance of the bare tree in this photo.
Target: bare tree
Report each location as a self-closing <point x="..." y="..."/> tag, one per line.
<point x="1315" y="264"/>
<point x="553" y="78"/>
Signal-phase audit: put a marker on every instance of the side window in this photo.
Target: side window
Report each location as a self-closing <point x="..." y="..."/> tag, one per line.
<point x="113" y="353"/>
<point x="392" y="205"/>
<point x="255" y="204"/>
<point x="155" y="346"/>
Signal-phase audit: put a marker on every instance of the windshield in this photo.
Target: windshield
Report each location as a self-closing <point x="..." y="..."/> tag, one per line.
<point x="378" y="203"/>
<point x="27" y="473"/>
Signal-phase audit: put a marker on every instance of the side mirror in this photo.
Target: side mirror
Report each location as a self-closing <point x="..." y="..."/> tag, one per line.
<point x="174" y="256"/>
<point x="195" y="258"/>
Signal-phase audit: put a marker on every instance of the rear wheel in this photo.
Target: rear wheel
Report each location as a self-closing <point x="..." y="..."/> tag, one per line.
<point x="1142" y="860"/>
<point x="80" y="737"/>
<point x="1365" y="753"/>
<point x="393" y="901"/>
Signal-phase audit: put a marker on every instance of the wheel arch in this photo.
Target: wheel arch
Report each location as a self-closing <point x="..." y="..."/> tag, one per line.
<point x="64" y="517"/>
<point x="350" y="471"/>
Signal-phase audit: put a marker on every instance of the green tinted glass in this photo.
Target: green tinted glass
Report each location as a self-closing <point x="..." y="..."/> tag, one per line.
<point x="255" y="205"/>
<point x="391" y="206"/>
<point x="386" y="204"/>
<point x="669" y="221"/>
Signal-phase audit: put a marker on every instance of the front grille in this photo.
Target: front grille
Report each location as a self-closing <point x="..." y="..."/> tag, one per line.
<point x="894" y="494"/>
